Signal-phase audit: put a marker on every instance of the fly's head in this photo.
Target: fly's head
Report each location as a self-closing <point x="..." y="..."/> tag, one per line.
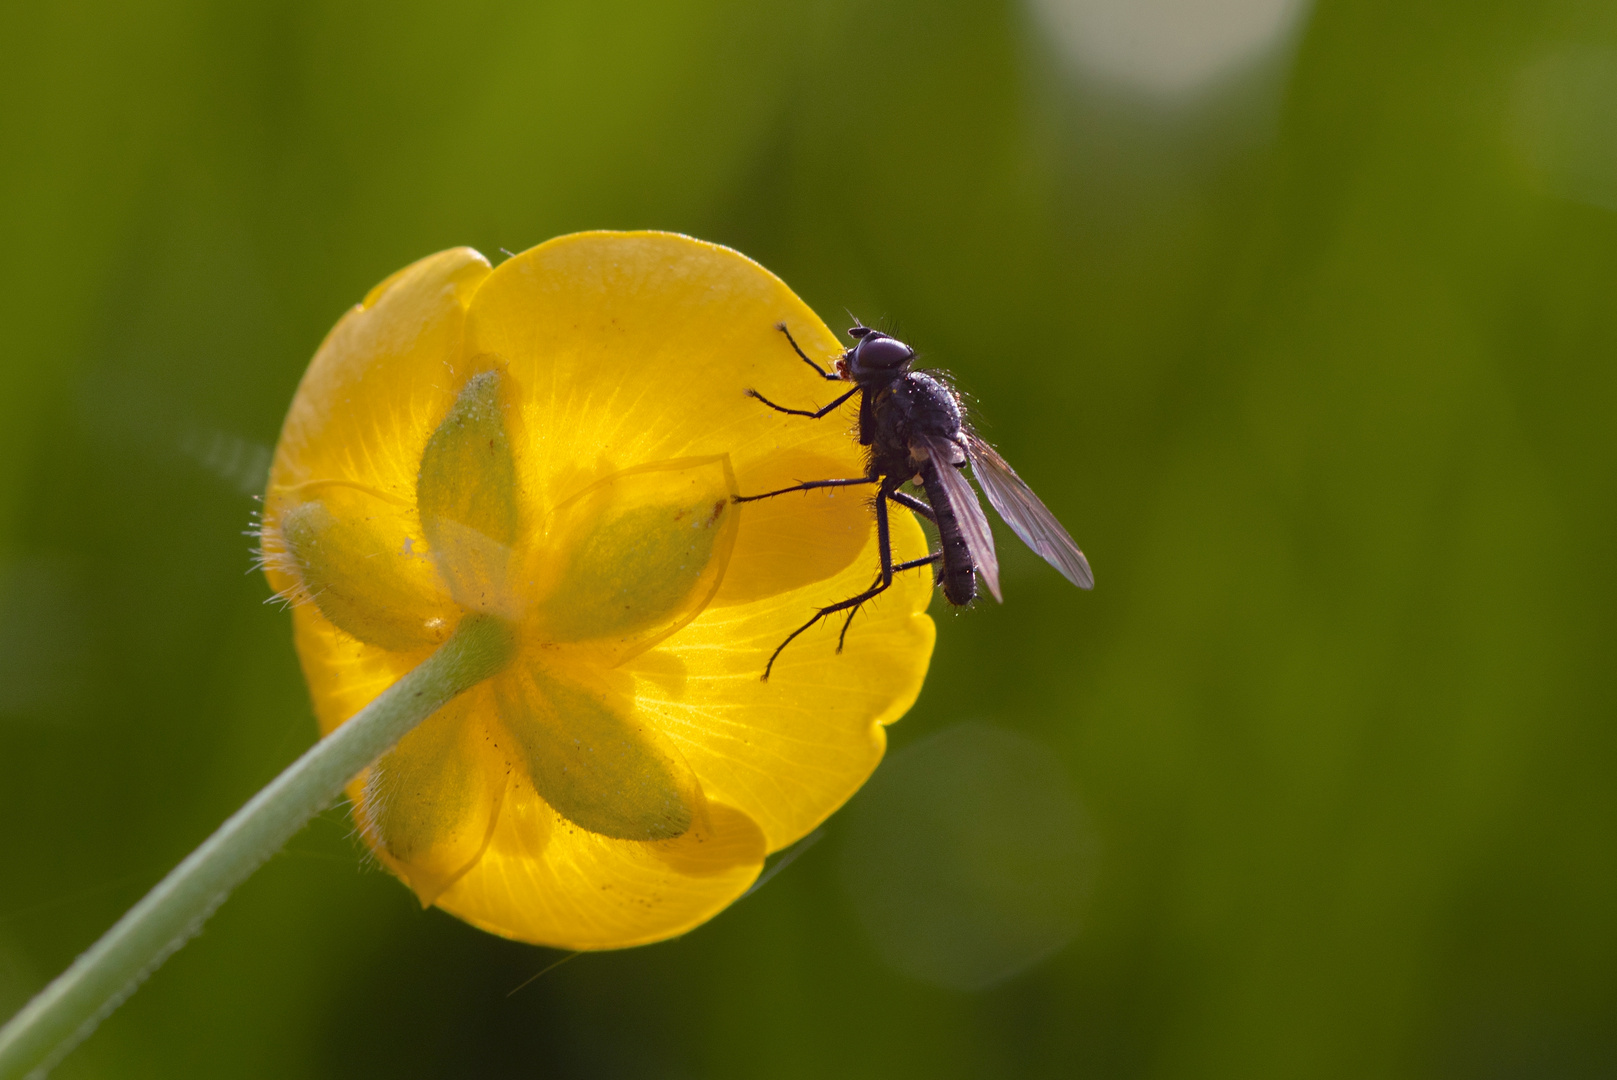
<point x="876" y="359"/>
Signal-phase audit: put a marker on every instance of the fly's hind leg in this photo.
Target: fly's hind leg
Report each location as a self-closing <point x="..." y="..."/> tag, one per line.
<point x="884" y="580"/>
<point x="852" y="602"/>
<point x="914" y="564"/>
<point x="910" y="502"/>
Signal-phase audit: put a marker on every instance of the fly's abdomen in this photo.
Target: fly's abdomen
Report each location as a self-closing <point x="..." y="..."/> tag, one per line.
<point x="959" y="574"/>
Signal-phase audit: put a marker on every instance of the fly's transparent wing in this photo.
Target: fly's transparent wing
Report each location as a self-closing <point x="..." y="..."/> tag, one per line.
<point x="968" y="512"/>
<point x="1026" y="515"/>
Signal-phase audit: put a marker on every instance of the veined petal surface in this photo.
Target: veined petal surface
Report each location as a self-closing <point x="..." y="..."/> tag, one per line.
<point x="547" y="881"/>
<point x="790" y="751"/>
<point x="382" y="380"/>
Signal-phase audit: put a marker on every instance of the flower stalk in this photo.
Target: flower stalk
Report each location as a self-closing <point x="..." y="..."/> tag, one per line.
<point x="69" y="1009"/>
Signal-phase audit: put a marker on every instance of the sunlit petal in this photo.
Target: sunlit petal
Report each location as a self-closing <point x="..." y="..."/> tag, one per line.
<point x="631" y="348"/>
<point x="547" y="881"/>
<point x="382" y="379"/>
<point x="791" y="750"/>
<point x="792" y="540"/>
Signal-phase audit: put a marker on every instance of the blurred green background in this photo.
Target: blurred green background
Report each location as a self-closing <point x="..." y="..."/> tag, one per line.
<point x="1303" y="319"/>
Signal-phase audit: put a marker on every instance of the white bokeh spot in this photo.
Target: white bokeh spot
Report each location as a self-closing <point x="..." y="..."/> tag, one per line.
<point x="1168" y="47"/>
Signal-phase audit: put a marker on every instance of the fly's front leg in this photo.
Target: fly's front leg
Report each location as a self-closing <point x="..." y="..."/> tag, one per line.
<point x="824" y="374"/>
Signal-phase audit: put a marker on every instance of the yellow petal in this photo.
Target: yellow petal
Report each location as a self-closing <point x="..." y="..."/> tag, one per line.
<point x="382" y="379"/>
<point x="635" y="556"/>
<point x="575" y="733"/>
<point x="466" y="495"/>
<point x="789" y="751"/>
<point x="362" y="560"/>
<point x="429" y="805"/>
<point x="629" y="348"/>
<point x="546" y="881"/>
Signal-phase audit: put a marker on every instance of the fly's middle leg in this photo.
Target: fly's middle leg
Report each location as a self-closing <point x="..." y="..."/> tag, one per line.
<point x="809" y="485"/>
<point x="812" y="414"/>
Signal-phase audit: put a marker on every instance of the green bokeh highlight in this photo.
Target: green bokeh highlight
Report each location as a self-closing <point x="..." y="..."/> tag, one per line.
<point x="1318" y="368"/>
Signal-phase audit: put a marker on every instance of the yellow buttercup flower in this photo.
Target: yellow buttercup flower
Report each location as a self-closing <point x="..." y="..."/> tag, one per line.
<point x="555" y="443"/>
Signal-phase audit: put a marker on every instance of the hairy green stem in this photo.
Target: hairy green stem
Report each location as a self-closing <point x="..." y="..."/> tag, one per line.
<point x="67" y="1010"/>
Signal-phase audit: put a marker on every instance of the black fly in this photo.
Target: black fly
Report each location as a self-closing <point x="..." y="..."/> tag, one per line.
<point x="911" y="426"/>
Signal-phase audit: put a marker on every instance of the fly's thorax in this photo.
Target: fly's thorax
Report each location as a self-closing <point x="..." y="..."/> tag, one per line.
<point x="929" y="405"/>
<point x="901" y="413"/>
<point x="889" y="430"/>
